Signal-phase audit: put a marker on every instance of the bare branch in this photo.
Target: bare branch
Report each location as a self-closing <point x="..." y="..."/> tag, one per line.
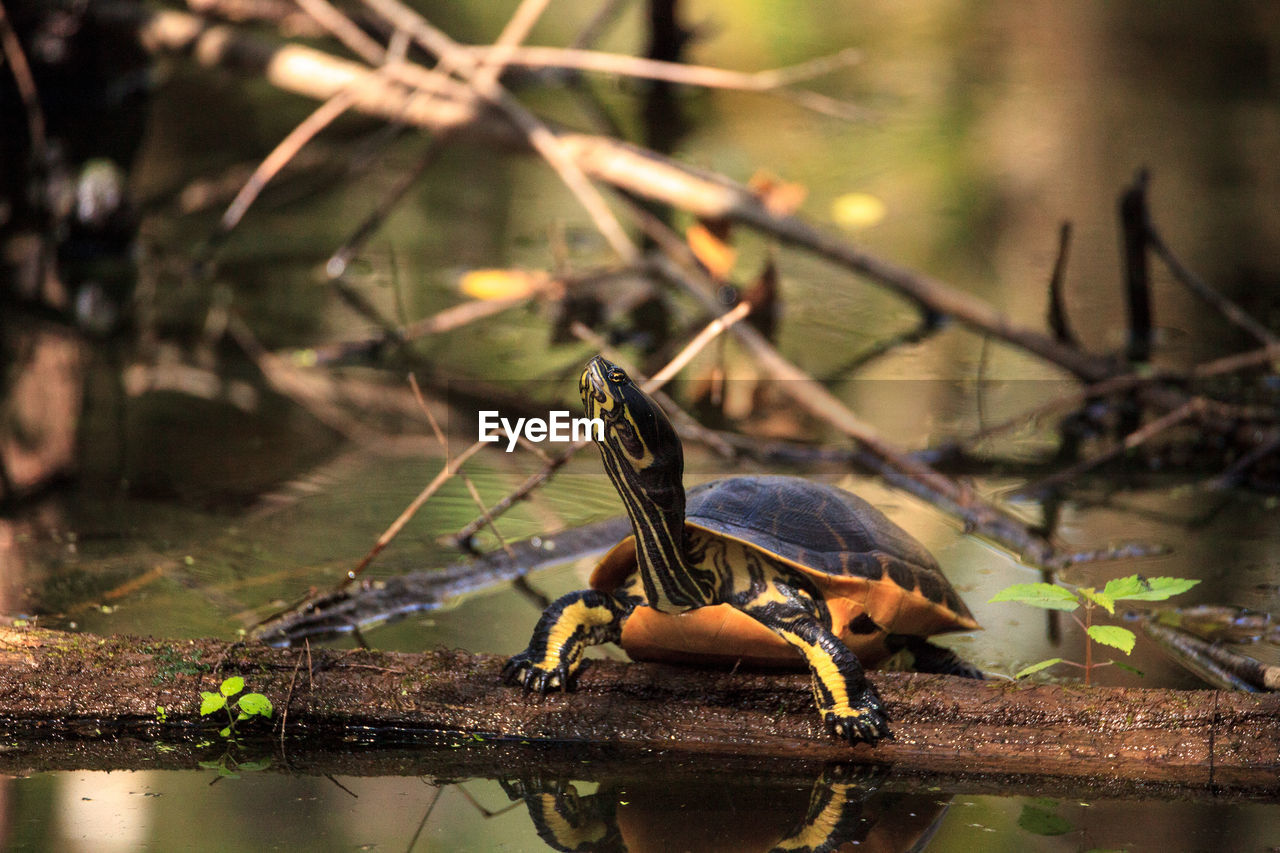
<point x="304" y="132"/>
<point x="16" y="59"/>
<point x="673" y="72"/>
<point x="539" y="136"/>
<point x="1211" y="297"/>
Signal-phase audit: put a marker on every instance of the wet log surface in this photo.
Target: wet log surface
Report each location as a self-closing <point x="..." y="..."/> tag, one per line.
<point x="69" y="688"/>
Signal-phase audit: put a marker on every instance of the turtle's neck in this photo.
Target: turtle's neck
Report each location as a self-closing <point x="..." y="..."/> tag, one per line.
<point x="655" y="501"/>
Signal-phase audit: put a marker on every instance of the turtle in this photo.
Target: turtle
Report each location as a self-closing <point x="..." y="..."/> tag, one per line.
<point x="746" y="569"/>
<point x="844" y="808"/>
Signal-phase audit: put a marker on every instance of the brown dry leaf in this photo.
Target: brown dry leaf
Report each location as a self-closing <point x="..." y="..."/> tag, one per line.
<point x="711" y="250"/>
<point x="781" y="198"/>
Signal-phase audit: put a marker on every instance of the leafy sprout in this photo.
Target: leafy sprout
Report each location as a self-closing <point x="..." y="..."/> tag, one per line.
<point x="246" y="706"/>
<point x="1049" y="596"/>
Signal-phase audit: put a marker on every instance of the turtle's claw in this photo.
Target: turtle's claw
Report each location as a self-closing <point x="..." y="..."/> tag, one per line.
<point x="865" y="720"/>
<point x="522" y="670"/>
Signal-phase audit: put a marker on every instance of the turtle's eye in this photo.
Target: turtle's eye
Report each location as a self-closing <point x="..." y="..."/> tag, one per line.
<point x="617" y="375"/>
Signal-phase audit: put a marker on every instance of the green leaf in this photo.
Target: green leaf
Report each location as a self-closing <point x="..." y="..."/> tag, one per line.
<point x="232" y="686"/>
<point x="225" y="732"/>
<point x="210" y="702"/>
<point x="1043" y="822"/>
<point x="1128" y="668"/>
<point x="1125" y="587"/>
<point x="255" y="703"/>
<point x="1138" y="588"/>
<point x="1101" y="599"/>
<point x="1036" y="667"/>
<point x="1114" y="636"/>
<point x="250" y="766"/>
<point x="1044" y="595"/>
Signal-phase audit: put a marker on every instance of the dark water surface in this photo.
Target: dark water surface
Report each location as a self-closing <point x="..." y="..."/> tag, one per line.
<point x="987" y="125"/>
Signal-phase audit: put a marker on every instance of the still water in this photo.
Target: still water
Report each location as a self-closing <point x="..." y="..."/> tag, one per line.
<point x="985" y="126"/>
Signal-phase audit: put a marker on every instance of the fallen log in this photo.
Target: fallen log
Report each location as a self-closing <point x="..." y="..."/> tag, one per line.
<point x="67" y="686"/>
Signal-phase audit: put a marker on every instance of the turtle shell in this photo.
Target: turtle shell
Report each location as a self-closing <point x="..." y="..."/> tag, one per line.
<point x="872" y="576"/>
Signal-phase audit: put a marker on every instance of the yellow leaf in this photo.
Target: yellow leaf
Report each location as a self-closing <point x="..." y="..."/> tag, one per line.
<point x="854" y="211"/>
<point x="494" y="284"/>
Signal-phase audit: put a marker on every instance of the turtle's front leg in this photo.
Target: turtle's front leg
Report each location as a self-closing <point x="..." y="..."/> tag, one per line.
<point x="570" y="624"/>
<point x="850" y="707"/>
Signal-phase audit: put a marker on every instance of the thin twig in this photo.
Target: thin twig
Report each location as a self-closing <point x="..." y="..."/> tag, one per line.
<point x="1233" y="312"/>
<point x="1213" y="662"/>
<point x="446" y="473"/>
<point x="422" y="824"/>
<point x="710" y="332"/>
<point x="538" y="134"/>
<point x="462" y="539"/>
<point x="1231" y="475"/>
<point x="341" y="258"/>
<point x="599" y="23"/>
<point x="345" y="30"/>
<point x="1127" y="382"/>
<point x="1137" y="438"/>
<point x="284" y="712"/>
<point x="392" y="62"/>
<point x="1073" y="399"/>
<point x="291" y="382"/>
<point x="454" y="317"/>
<point x="703" y="76"/>
<point x="686" y="424"/>
<point x="824" y="104"/>
<point x="1058" y="321"/>
<point x="16" y="59"/>
<point x="490" y="67"/>
<point x="466" y="480"/>
<point x="1241" y="361"/>
<point x="304" y="132"/>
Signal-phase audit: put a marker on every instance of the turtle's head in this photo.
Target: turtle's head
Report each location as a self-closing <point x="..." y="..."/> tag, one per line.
<point x="638" y="438"/>
<point x="641" y="452"/>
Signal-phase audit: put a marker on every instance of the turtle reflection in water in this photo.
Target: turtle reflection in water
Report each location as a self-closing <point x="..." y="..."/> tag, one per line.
<point x="744" y="569"/>
<point x="842" y="809"/>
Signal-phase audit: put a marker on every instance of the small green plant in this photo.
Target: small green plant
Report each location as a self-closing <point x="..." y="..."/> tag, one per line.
<point x="1041" y="818"/>
<point x="229" y="767"/>
<point x="247" y="705"/>
<point x="1053" y="597"/>
<point x="170" y="663"/>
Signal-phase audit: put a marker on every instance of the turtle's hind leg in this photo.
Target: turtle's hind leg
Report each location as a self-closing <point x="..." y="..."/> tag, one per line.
<point x="932" y="658"/>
